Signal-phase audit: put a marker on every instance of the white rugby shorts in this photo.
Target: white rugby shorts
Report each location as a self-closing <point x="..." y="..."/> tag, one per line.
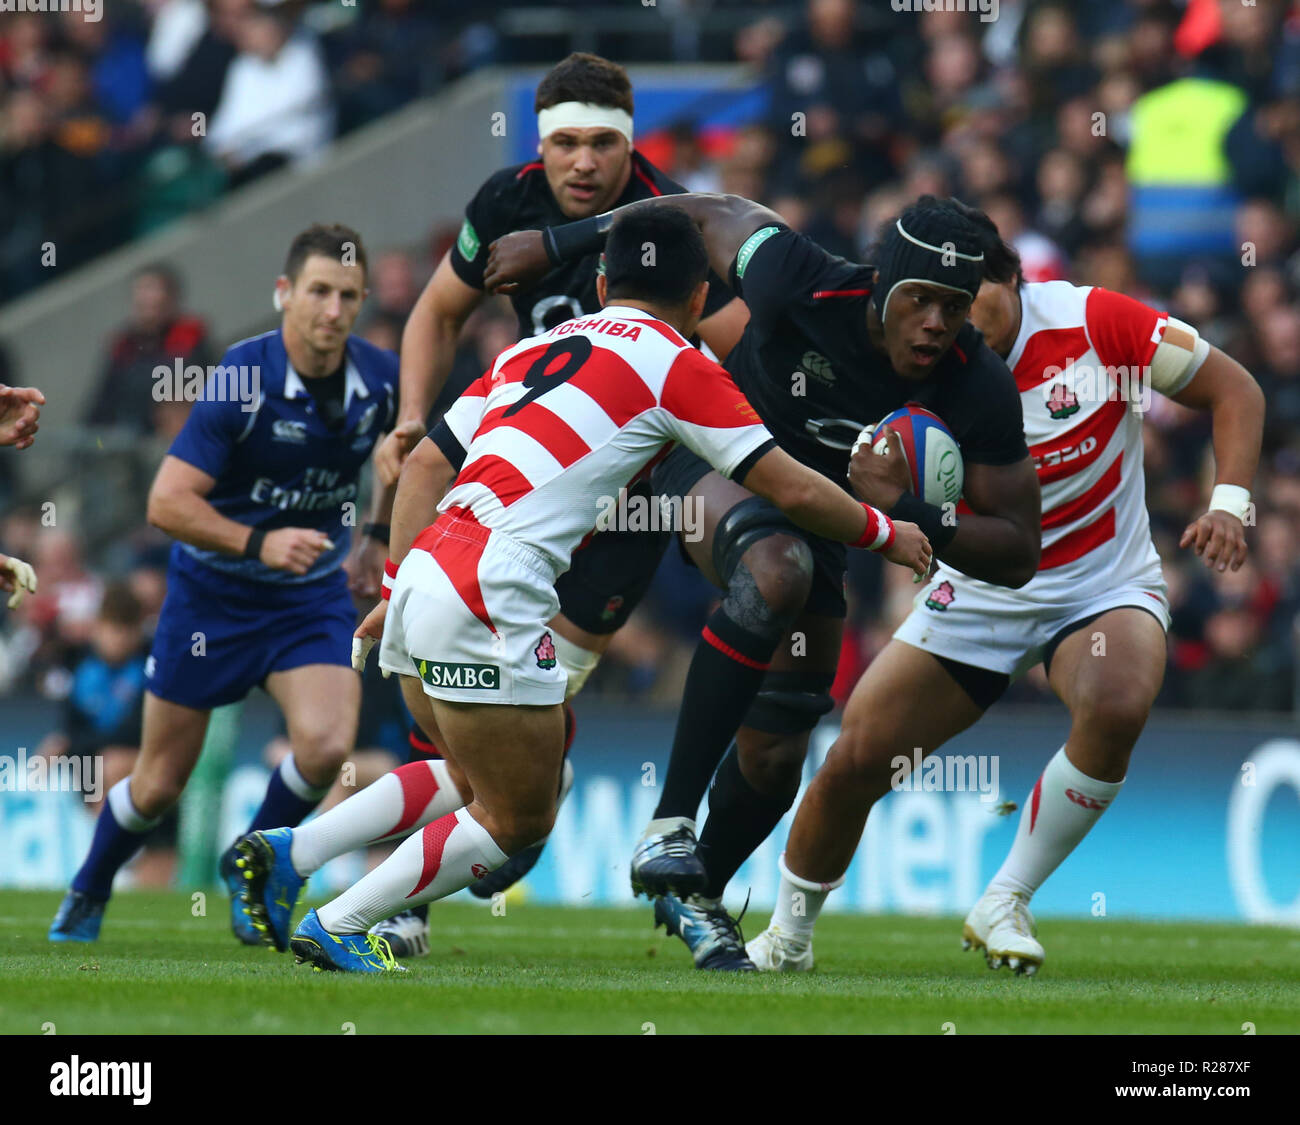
<point x="1005" y="630"/>
<point x="468" y="615"/>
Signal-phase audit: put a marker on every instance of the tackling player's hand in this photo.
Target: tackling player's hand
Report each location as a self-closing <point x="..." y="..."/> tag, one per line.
<point x="20" y="411"/>
<point x="294" y="549"/>
<point x="1219" y="538"/>
<point x="365" y="566"/>
<point x="17" y="579"/>
<point x="368" y="632"/>
<point x="394" y="449"/>
<point x="910" y="548"/>
<point x="880" y="478"/>
<point x="515" y="261"/>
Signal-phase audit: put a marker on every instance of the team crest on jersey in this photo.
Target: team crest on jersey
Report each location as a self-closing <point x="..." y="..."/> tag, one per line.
<point x="1062" y="402"/>
<point x="612" y="607"/>
<point x="818" y="366"/>
<point x="941" y="597"/>
<point x="286" y="429"/>
<point x="545" y="652"/>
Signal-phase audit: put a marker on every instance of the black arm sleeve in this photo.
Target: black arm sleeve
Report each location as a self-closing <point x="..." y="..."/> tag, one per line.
<point x="444" y="439"/>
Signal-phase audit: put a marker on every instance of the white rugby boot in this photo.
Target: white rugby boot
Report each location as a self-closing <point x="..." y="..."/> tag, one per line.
<point x="1001" y="925"/>
<point x="775" y="952"/>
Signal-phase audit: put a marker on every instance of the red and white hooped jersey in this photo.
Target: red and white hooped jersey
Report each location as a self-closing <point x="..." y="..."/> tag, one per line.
<point x="1082" y="362"/>
<point x="562" y="421"/>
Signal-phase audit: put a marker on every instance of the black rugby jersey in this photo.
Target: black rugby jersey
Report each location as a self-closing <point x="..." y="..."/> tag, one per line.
<point x="808" y="332"/>
<point x="519" y="198"/>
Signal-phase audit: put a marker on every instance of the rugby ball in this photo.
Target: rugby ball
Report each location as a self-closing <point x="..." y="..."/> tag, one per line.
<point x="933" y="457"/>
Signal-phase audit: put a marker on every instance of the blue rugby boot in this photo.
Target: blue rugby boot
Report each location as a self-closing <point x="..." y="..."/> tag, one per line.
<point x="665" y="862"/>
<point x="241" y="924"/>
<point x="344" y="953"/>
<point x="78" y="919"/>
<point x="710" y="933"/>
<point x="271" y="885"/>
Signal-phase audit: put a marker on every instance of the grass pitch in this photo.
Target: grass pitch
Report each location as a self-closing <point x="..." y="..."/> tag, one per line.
<point x="545" y="969"/>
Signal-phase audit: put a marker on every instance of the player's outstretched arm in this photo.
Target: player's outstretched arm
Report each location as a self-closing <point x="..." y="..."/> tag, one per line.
<point x="178" y="505"/>
<point x="426" y="476"/>
<point x="819" y="506"/>
<point x="517" y="260"/>
<point x="428" y="352"/>
<point x="1236" y="405"/>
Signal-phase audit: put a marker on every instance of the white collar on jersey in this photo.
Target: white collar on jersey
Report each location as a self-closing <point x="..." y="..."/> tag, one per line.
<point x="352" y="382"/>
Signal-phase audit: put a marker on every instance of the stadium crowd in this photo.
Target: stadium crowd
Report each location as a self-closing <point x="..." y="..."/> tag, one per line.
<point x="1061" y="121"/>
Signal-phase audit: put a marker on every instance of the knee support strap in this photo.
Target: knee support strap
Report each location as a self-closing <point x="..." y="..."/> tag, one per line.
<point x="741" y="527"/>
<point x="790" y="702"/>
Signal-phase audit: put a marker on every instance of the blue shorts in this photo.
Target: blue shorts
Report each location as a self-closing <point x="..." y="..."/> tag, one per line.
<point x="248" y="630"/>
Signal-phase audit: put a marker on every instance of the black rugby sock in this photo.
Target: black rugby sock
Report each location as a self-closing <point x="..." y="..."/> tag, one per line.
<point x="740" y="819"/>
<point x="725" y="674"/>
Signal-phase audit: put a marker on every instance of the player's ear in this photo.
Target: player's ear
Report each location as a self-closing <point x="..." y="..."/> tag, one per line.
<point x="698" y="300"/>
<point x="600" y="289"/>
<point x="282" y="288"/>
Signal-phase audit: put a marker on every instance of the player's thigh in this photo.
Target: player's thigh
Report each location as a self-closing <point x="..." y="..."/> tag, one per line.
<point x="321" y="705"/>
<point x="713" y="496"/>
<point x="421" y="708"/>
<point x="904" y="700"/>
<point x="171" y="739"/>
<point x="510" y="754"/>
<point x="1109" y="671"/>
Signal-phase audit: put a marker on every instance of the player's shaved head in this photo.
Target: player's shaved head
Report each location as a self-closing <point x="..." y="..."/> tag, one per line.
<point x="331" y="240"/>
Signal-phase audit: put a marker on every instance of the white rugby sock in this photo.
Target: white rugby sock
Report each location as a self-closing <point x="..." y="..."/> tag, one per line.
<point x="798" y="902"/>
<point x="395" y="805"/>
<point x="1064" y="804"/>
<point x="445" y="856"/>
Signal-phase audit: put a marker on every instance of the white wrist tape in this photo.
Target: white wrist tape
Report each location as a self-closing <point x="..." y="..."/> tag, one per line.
<point x="578" y="663"/>
<point x="1230" y="498"/>
<point x="583" y="115"/>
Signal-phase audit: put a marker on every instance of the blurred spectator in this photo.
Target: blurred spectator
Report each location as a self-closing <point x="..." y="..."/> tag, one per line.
<point x="157" y="333"/>
<point x="385" y="59"/>
<point x="393" y="285"/>
<point x="104" y="706"/>
<point x="275" y="106"/>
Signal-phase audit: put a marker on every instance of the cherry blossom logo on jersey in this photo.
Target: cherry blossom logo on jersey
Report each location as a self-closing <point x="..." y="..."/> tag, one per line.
<point x="1062" y="402"/>
<point x="941" y="597"/>
<point x="545" y="652"/>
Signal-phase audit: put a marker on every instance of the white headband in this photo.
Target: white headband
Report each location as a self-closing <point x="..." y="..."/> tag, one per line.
<point x="937" y="249"/>
<point x="583" y="115"/>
